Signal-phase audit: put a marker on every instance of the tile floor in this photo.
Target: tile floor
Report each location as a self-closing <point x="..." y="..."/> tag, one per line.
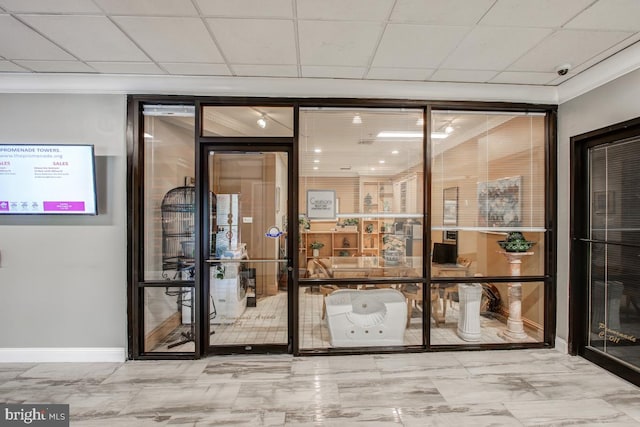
<point x="483" y="388"/>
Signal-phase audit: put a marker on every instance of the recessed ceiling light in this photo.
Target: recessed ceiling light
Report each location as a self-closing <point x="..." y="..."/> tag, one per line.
<point x="356" y="119"/>
<point x="315" y="168"/>
<point x="317" y="150"/>
<point x="373" y="169"/>
<point x="381" y="161"/>
<point x="395" y="152"/>
<point x="316" y="161"/>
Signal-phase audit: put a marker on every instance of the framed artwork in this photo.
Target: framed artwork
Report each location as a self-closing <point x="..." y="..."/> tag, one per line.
<point x="500" y="203"/>
<point x="321" y="204"/>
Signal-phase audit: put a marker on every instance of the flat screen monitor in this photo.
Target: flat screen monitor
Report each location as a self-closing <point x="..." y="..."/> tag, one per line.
<point x="47" y="179"/>
<point x="444" y="253"/>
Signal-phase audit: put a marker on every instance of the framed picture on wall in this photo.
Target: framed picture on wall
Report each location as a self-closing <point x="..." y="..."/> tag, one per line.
<point x="321" y="204"/>
<point x="499" y="202"/>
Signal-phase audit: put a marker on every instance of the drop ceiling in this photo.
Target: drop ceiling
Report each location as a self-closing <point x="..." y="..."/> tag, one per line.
<point x="506" y="42"/>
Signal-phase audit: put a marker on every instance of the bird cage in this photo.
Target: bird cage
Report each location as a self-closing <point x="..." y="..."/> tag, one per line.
<point x="178" y="233"/>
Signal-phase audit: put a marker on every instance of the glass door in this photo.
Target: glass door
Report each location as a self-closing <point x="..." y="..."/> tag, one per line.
<point x="247" y="267"/>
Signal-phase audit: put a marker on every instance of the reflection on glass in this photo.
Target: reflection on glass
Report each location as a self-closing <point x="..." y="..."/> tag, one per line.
<point x="478" y="313"/>
<point x="168" y="319"/>
<point x="343" y="316"/>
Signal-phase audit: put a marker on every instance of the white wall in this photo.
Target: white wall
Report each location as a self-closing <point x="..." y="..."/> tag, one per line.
<point x="611" y="103"/>
<point x="63" y="281"/>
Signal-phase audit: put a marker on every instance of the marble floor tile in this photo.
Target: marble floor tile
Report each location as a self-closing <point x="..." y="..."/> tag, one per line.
<point x="540" y="387"/>
<point x="486" y="389"/>
<point x="564" y="412"/>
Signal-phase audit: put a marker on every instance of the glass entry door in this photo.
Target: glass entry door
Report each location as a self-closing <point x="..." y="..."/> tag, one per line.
<point x="247" y="273"/>
<point x="614" y="242"/>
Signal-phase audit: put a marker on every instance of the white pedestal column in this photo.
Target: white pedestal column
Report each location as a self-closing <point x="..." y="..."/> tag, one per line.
<point x="469" y="295"/>
<point x="515" y="327"/>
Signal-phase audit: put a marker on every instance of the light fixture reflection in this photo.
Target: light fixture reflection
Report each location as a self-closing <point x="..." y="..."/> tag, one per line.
<point x="262" y="122"/>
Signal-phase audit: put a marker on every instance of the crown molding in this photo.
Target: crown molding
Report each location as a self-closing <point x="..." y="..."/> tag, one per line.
<point x="271" y="87"/>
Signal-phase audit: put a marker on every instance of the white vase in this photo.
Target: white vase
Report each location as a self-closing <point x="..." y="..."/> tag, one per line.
<point x="316" y="253"/>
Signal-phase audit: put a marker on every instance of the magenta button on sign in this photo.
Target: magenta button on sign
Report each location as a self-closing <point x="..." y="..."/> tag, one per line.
<point x="63" y="206"/>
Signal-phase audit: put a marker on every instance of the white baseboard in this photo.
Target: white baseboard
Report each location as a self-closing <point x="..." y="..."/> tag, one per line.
<point x="562" y="346"/>
<point x="46" y="355"/>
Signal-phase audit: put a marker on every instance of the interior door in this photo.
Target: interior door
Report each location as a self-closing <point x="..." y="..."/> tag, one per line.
<point x="247" y="278"/>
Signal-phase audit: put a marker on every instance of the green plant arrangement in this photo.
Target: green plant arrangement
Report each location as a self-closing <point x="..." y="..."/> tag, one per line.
<point x="350" y="221"/>
<point x="304" y="222"/>
<point x="317" y="245"/>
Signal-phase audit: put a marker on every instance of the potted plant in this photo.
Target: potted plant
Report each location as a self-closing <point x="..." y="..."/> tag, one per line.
<point x="316" y="246"/>
<point x="350" y="223"/>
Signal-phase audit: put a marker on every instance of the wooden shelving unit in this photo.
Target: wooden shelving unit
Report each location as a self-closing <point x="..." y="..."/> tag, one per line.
<point x="336" y="244"/>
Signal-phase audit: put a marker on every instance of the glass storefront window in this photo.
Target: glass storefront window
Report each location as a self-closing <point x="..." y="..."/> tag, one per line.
<point x="488" y="180"/>
<point x="169" y="202"/>
<point x="247" y="121"/>
<point x="361" y="198"/>
<point x="486" y="313"/>
<point x="488" y="220"/>
<point x="168" y="319"/>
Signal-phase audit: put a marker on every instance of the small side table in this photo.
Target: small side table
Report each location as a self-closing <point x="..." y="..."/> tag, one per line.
<point x="515" y="327"/>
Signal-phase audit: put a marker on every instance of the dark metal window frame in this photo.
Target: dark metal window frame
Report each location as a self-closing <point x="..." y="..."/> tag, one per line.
<point x="135" y="214"/>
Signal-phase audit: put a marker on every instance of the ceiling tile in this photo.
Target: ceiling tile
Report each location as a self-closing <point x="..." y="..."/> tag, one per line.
<point x="394" y="73"/>
<point x="253" y="41"/>
<point x="440" y="12"/>
<point x="524" y="78"/>
<point x="333" y="72"/>
<point x="148" y="7"/>
<point x="444" y="75"/>
<point x="266" y="70"/>
<point x="538" y="13"/>
<point x="417" y="46"/>
<point x="6" y="66"/>
<point x="494" y="48"/>
<point x="325" y="43"/>
<point x="49" y="6"/>
<point x="246" y="8"/>
<point x="56" y="66"/>
<point x="172" y="39"/>
<point x="17" y="41"/>
<point x="126" y="67"/>
<point x="345" y="10"/>
<point x="196" y="69"/>
<point x="90" y="38"/>
<point x="567" y="47"/>
<point x="609" y="15"/>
